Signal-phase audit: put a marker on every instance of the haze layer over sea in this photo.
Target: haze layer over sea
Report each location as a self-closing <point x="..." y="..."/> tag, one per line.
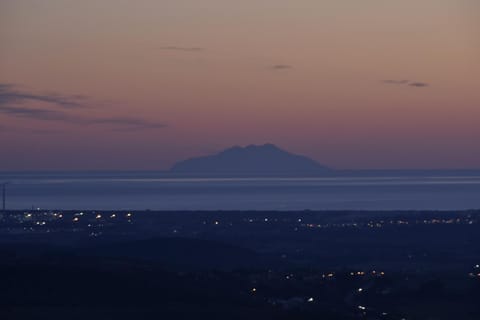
<point x="163" y="191"/>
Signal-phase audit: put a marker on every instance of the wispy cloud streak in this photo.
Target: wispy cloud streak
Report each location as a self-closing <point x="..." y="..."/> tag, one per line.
<point x="396" y="81"/>
<point x="9" y="95"/>
<point x="407" y="83"/>
<point x="281" y="67"/>
<point x="188" y="49"/>
<point x="12" y="103"/>
<point x="418" y="84"/>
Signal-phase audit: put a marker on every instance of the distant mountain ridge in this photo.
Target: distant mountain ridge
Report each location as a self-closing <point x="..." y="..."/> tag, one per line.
<point x="252" y="160"/>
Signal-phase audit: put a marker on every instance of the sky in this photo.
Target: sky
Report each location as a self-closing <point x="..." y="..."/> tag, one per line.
<point x="139" y="85"/>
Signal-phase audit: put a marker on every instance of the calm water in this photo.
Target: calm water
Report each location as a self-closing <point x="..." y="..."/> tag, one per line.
<point x="154" y="191"/>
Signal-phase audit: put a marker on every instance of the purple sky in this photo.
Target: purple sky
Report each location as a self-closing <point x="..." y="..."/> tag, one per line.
<point x="117" y="84"/>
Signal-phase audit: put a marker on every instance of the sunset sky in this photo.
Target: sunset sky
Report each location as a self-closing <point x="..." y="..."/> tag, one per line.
<point x="122" y="84"/>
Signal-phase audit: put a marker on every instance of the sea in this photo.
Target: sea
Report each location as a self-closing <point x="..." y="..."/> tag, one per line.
<point x="160" y="191"/>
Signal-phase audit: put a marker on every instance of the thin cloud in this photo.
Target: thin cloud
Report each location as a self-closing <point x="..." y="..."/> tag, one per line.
<point x="11" y="104"/>
<point x="34" y="113"/>
<point x="418" y="84"/>
<point x="396" y="81"/>
<point x="9" y="95"/>
<point x="175" y="48"/>
<point x="407" y="83"/>
<point x="128" y="123"/>
<point x="281" y="67"/>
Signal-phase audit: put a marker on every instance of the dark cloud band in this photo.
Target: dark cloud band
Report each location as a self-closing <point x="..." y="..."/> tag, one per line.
<point x="407" y="83"/>
<point x="281" y="67"/>
<point x="418" y="84"/>
<point x="174" y="48"/>
<point x="12" y="104"/>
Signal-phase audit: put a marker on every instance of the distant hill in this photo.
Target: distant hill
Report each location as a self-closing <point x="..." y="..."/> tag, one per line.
<point x="253" y="160"/>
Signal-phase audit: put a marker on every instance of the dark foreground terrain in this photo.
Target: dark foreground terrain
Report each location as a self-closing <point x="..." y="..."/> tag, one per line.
<point x="239" y="265"/>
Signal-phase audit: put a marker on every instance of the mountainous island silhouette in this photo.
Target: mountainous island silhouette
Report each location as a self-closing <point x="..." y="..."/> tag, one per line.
<point x="252" y="160"/>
